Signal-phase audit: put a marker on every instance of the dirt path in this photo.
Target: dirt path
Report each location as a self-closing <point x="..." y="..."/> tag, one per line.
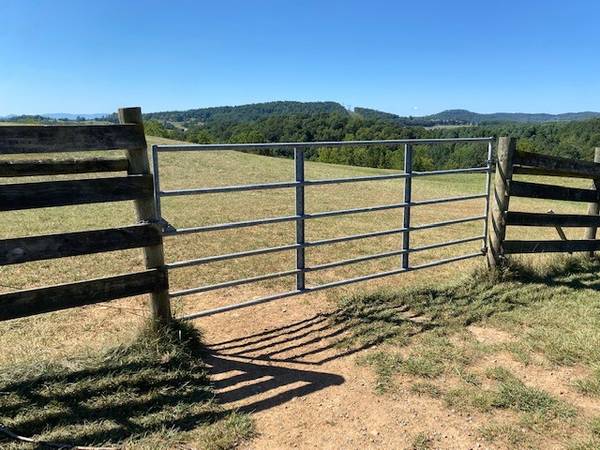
<point x="280" y="361"/>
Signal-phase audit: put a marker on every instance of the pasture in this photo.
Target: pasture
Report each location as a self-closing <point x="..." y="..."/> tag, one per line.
<point x="411" y="355"/>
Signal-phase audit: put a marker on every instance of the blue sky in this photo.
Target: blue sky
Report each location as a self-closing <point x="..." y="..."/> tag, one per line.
<point x="404" y="57"/>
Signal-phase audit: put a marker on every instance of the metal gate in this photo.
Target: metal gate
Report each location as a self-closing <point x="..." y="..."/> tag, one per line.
<point x="301" y="216"/>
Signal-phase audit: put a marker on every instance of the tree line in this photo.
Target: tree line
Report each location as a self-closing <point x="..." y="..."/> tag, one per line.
<point x="569" y="139"/>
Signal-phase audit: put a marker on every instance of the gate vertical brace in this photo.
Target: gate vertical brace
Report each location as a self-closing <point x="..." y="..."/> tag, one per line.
<point x="156" y="172"/>
<point x="594" y="208"/>
<point x="300" y="263"/>
<point x="500" y="200"/>
<point x="488" y="186"/>
<point x="146" y="212"/>
<point x="408" y="154"/>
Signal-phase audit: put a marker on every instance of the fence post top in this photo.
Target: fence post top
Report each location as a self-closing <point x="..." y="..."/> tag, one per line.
<point x="131" y="114"/>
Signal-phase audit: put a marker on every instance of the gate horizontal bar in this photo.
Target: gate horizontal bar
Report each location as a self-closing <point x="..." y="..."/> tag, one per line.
<point x="344" y="262"/>
<point x="451" y="171"/>
<point x="211" y="259"/>
<point x="390" y="176"/>
<point x="291" y="145"/>
<point x="459" y="198"/>
<point x="446" y="222"/>
<point x="343" y="212"/>
<point x="446" y="244"/>
<point x="354" y="237"/>
<point x="269" y="298"/>
<point x="257" y="301"/>
<point x="318" y="215"/>
<point x="232" y="283"/>
<point x="228" y="226"/>
<point x="223" y="189"/>
<point x="291" y="184"/>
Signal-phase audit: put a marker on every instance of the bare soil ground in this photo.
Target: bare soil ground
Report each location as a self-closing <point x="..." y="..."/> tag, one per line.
<point x="281" y="362"/>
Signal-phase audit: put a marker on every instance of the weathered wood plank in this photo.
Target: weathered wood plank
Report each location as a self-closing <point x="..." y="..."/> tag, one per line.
<point x="37" y="248"/>
<point x="551" y="192"/>
<point x="59" y="167"/>
<point x="523" y="170"/>
<point x="53" y="298"/>
<point x="74" y="192"/>
<point x="70" y="138"/>
<point x="513" y="246"/>
<point x="527" y="219"/>
<point x="554" y="165"/>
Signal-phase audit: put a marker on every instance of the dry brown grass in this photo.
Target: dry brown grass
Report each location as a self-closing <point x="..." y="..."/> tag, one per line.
<point x="180" y="170"/>
<point x="87" y="331"/>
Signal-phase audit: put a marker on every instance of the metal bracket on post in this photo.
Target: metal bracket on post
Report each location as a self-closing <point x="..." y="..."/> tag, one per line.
<point x="299" y="175"/>
<point x="407" y="200"/>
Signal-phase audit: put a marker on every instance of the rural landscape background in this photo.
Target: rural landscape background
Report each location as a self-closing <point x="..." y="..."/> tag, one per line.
<point x="456" y="356"/>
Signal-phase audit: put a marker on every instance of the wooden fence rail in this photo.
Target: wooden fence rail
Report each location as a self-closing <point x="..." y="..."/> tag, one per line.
<point x="136" y="185"/>
<point x="511" y="161"/>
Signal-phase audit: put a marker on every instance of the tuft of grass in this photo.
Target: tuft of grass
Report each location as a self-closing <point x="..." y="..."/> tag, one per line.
<point x="153" y="392"/>
<point x="426" y="388"/>
<point x="514" y="394"/>
<point x="430" y="358"/>
<point x="512" y="435"/>
<point x="422" y="441"/>
<point x="590" y="385"/>
<point x="468" y="398"/>
<point x="386" y="365"/>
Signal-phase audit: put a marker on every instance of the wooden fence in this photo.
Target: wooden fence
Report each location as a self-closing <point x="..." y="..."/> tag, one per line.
<point x="511" y="161"/>
<point x="136" y="184"/>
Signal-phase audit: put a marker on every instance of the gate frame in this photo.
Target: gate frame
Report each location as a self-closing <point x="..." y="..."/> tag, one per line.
<point x="301" y="216"/>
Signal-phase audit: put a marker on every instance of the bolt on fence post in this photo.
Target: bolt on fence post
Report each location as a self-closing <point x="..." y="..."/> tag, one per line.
<point x="488" y="185"/>
<point x="593" y="208"/>
<point x="299" y="172"/>
<point x="407" y="199"/>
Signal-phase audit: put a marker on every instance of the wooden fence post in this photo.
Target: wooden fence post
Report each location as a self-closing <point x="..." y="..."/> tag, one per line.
<point x="500" y="199"/>
<point x="593" y="208"/>
<point x="146" y="212"/>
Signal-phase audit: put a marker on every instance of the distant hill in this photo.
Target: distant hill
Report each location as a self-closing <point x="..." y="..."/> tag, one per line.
<point x="373" y="114"/>
<point x="464" y="116"/>
<point x="70" y="116"/>
<point x="259" y="111"/>
<point x="247" y="113"/>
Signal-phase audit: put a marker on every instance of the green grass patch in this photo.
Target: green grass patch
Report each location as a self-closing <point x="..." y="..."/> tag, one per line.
<point x="509" y="434"/>
<point x="152" y="393"/>
<point x="589" y="385"/>
<point x="426" y="388"/>
<point x="514" y="394"/>
<point x="421" y="441"/>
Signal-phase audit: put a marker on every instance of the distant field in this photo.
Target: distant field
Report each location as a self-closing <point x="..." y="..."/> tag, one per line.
<point x="179" y="170"/>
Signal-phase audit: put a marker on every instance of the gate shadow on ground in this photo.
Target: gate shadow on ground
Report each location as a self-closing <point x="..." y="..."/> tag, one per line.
<point x="265" y="369"/>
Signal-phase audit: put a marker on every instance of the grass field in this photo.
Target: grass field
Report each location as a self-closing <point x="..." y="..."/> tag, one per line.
<point x="84" y="333"/>
<point x="181" y="170"/>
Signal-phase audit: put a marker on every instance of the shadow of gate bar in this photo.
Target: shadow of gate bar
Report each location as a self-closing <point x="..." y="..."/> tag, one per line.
<point x="511" y="161"/>
<point x="136" y="185"/>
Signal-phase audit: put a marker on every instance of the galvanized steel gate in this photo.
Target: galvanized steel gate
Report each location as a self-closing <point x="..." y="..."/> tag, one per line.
<point x="301" y="216"/>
